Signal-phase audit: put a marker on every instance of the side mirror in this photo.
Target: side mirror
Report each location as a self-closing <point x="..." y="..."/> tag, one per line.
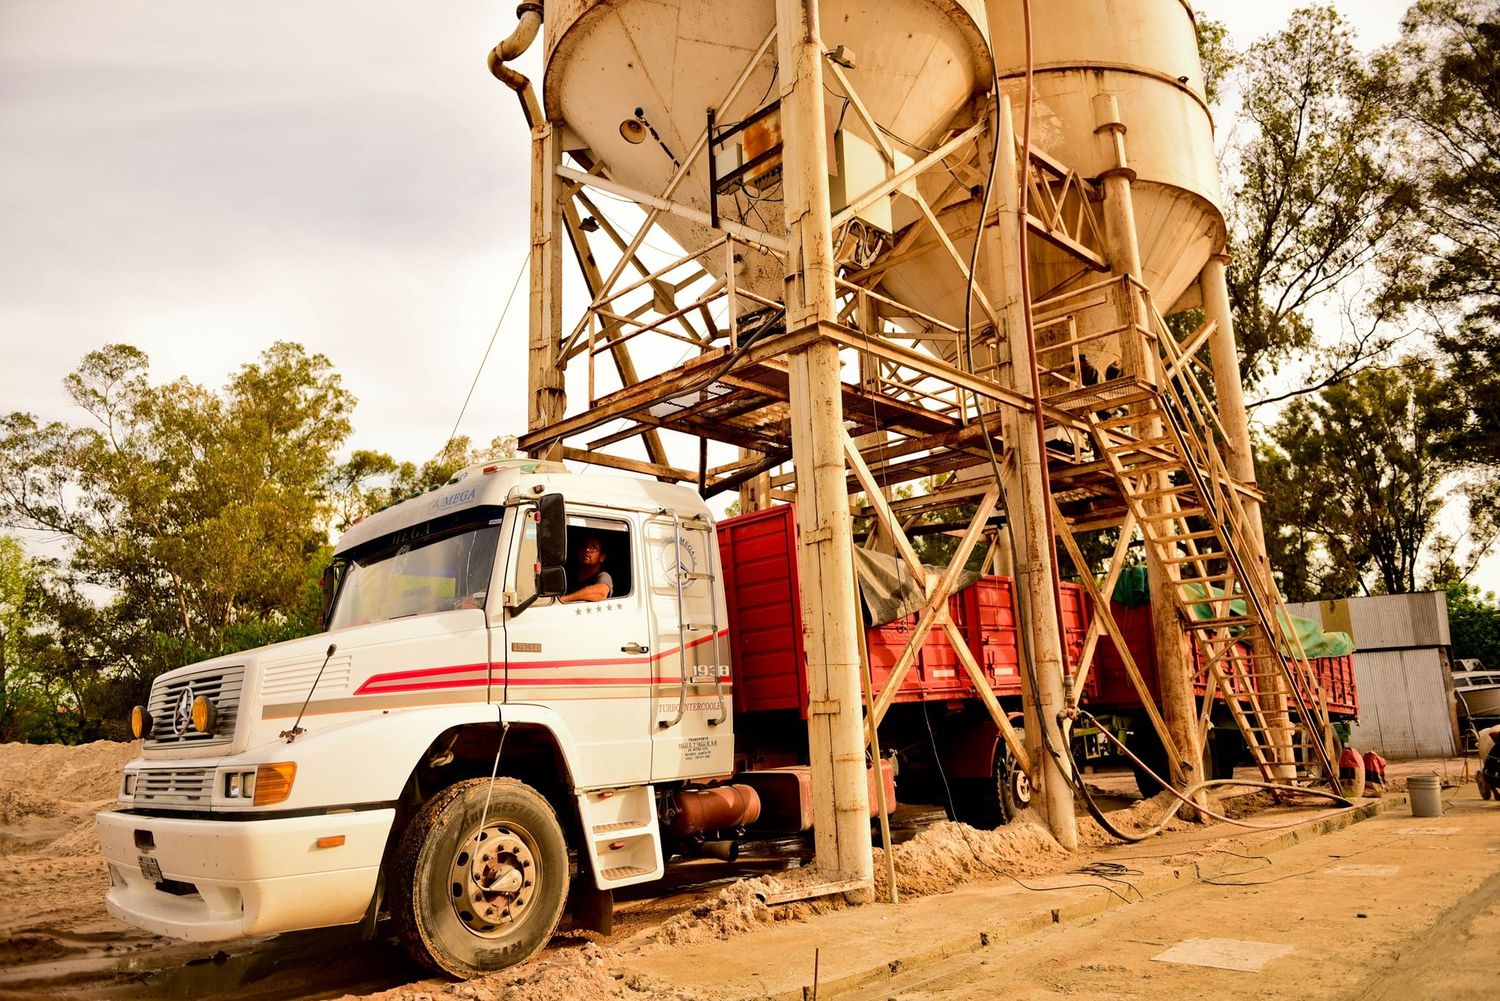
<point x="551" y="582"/>
<point x="551" y="547"/>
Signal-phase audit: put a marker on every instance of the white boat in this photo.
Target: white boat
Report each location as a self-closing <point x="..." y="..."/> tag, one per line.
<point x="1477" y="692"/>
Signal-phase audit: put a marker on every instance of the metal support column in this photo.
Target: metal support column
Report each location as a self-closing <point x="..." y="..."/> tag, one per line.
<point x="841" y="799"/>
<point x="1026" y="491"/>
<point x="1173" y="664"/>
<point x="548" y="397"/>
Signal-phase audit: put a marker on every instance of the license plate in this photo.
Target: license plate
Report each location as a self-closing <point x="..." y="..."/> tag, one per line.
<point x="150" y="868"/>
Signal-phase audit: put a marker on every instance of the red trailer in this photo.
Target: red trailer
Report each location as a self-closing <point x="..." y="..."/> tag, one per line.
<point x="946" y="747"/>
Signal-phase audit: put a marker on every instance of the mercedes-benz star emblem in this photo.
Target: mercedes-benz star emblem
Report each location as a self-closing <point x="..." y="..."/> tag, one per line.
<point x="182" y="716"/>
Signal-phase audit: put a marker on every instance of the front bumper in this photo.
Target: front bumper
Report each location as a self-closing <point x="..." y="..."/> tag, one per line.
<point x="247" y="877"/>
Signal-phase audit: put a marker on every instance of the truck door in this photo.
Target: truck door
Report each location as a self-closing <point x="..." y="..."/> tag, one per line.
<point x="691" y="730"/>
<point x="589" y="660"/>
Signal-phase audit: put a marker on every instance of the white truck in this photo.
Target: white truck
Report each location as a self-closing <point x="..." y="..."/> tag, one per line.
<point x="462" y="742"/>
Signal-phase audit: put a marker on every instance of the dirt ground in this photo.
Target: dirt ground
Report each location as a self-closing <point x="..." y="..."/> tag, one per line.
<point x="56" y="941"/>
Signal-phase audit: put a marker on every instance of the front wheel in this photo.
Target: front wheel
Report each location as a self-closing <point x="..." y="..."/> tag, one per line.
<point x="476" y="890"/>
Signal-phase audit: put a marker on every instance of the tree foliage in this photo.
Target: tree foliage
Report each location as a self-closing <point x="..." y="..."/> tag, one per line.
<point x="199" y="512"/>
<point x="1474" y="623"/>
<point x="1353" y="480"/>
<point x="1313" y="198"/>
<point x="1443" y="80"/>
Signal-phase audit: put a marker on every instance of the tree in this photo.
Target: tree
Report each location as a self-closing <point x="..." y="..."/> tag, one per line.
<point x="1443" y="80"/>
<point x="200" y="512"/>
<point x="1315" y="196"/>
<point x="1474" y="622"/>
<point x="1353" y="482"/>
<point x="370" y="480"/>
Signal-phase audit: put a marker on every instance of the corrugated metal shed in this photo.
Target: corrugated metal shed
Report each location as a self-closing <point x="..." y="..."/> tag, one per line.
<point x="1389" y="621"/>
<point x="1405" y="710"/>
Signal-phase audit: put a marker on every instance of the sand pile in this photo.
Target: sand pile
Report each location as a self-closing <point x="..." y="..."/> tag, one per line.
<point x="950" y="855"/>
<point x="49" y="792"/>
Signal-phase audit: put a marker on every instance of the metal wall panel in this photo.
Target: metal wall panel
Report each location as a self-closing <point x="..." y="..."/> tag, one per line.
<point x="1403" y="704"/>
<point x="1307" y="610"/>
<point x="1390" y="621"/>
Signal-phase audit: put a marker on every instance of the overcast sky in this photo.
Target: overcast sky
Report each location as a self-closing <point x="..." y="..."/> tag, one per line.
<point x="199" y="178"/>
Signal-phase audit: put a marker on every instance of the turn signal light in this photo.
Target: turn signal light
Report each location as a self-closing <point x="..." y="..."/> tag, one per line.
<point x="140" y="722"/>
<point x="273" y="783"/>
<point x="205" y="714"/>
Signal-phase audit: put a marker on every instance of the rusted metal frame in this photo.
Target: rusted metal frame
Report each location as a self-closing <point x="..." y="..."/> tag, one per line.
<point x="631" y="465"/>
<point x="896" y="303"/>
<point x="948" y="373"/>
<point x="937" y="603"/>
<point x="646" y="393"/>
<point x="1096" y="627"/>
<point x="935" y="613"/>
<point x="1253" y="598"/>
<point x="731" y="482"/>
<point x="956" y="257"/>
<point x="649" y="278"/>
<point x="596" y="287"/>
<point x="861" y="111"/>
<point x="749" y="234"/>
<point x="877" y="500"/>
<point x="1088" y="192"/>
<point x="1103" y="614"/>
<point x="624" y="364"/>
<point x="655" y="326"/>
<point x="684" y="168"/>
<point x="899" y="178"/>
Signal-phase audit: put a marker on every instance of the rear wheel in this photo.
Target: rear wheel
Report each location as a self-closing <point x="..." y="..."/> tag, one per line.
<point x="999" y="799"/>
<point x="475" y="890"/>
<point x="1485" y="792"/>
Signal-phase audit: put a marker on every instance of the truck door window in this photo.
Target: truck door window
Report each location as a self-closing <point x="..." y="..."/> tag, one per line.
<point x="613" y="537"/>
<point x="433" y="574"/>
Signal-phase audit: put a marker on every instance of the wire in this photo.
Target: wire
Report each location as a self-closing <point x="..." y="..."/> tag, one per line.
<point x="938" y="760"/>
<point x="498" y="323"/>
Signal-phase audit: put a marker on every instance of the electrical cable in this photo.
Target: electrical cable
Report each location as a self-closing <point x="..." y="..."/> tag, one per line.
<point x="496" y="333"/>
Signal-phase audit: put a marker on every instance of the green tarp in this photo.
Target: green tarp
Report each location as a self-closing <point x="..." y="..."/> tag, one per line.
<point x="1132" y="591"/>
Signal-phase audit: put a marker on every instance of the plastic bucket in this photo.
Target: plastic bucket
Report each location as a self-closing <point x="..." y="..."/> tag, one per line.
<point x="1426" y="793"/>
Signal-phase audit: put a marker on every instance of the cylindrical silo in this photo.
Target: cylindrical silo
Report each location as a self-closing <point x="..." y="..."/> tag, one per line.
<point x="1145" y="54"/>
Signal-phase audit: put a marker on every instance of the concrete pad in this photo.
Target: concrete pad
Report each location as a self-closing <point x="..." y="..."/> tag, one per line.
<point x="1224" y="954"/>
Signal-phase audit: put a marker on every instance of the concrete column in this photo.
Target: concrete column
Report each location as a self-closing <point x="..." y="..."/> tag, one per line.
<point x="1173" y="664"/>
<point x="825" y="558"/>
<point x="548" y="397"/>
<point x="1028" y="502"/>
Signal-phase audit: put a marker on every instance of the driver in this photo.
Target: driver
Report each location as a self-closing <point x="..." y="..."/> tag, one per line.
<point x="594" y="582"/>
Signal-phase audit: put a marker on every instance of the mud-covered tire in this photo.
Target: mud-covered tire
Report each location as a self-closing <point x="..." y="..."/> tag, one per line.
<point x="1001" y="798"/>
<point x="469" y="898"/>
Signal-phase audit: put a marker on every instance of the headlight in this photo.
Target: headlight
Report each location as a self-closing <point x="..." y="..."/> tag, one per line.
<point x="140" y="722"/>
<point x="205" y="714"/>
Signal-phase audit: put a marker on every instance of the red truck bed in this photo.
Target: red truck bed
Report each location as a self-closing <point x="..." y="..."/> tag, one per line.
<point x="765" y="626"/>
<point x="1114" y="689"/>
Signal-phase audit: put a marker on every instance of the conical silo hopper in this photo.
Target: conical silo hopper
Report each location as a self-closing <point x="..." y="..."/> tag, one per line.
<point x="1145" y="54"/>
<point x="918" y="62"/>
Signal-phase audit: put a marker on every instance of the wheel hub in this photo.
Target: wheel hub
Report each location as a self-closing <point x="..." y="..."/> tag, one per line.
<point x="1020" y="786"/>
<point x="494" y="880"/>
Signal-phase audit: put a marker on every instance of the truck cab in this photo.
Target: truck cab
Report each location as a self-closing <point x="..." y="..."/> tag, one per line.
<point x="470" y="735"/>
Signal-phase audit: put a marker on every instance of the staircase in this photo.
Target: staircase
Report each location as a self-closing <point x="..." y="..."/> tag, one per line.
<point x="1165" y="449"/>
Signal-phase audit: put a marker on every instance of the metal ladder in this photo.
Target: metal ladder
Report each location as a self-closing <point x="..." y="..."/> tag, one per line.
<point x="1170" y="469"/>
<point x="670" y="517"/>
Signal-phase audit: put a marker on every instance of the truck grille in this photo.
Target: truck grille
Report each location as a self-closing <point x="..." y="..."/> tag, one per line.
<point x="170" y="728"/>
<point x="174" y="787"/>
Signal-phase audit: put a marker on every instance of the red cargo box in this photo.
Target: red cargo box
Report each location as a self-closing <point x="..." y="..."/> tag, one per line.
<point x="765" y="626"/>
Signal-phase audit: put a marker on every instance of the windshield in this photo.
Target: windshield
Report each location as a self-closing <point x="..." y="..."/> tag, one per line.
<point x="427" y="575"/>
